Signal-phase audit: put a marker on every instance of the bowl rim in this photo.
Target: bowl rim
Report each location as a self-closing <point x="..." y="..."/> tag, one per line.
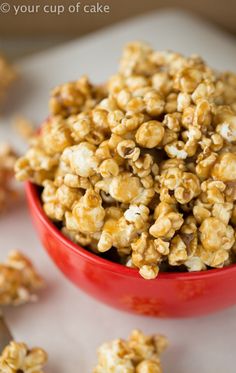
<point x="34" y="201"/>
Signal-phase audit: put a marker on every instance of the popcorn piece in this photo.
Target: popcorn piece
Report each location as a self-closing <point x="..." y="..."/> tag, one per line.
<point x="17" y="357"/>
<point x="150" y="134"/>
<point x="222" y="211"/>
<point x="215" y="259"/>
<point x="18" y="280"/>
<point x="188" y="79"/>
<point x="139" y="354"/>
<point x="7" y="161"/>
<point x="202" y="114"/>
<point x="185" y="185"/>
<point x="143" y="166"/>
<point x="155" y="103"/>
<point x="125" y="188"/>
<point x="109" y="168"/>
<point x="216" y="235"/>
<point x="176" y="149"/>
<point x="171" y="103"/>
<point x="136" y="60"/>
<point x="227" y="126"/>
<point x="36" y="166"/>
<point x="146" y="256"/>
<point x="81" y="158"/>
<point x="80" y="126"/>
<point x="7" y="77"/>
<point x="168" y="221"/>
<point x="78" y="237"/>
<point x="138" y="215"/>
<point x="56" y="136"/>
<point x="99" y="117"/>
<point x="24" y="127"/>
<point x="75" y="97"/>
<point x="116" y="231"/>
<point x="87" y="214"/>
<point x="205" y="162"/>
<point x="172" y="121"/>
<point x="121" y="124"/>
<point x="114" y="357"/>
<point x="75" y="181"/>
<point x="188" y="188"/>
<point x="225" y="167"/>
<point x="58" y="200"/>
<point x="178" y="253"/>
<point x="127" y="149"/>
<point x="183" y="101"/>
<point x="195" y="263"/>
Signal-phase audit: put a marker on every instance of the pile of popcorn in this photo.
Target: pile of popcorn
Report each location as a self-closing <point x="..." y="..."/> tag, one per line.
<point x="7" y="76"/>
<point x="145" y="164"/>
<point x="7" y="161"/>
<point x="17" y="357"/>
<point x="139" y="354"/>
<point x="18" y="280"/>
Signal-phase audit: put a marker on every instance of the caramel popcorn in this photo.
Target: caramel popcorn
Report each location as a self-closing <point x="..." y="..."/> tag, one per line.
<point x="138" y="354"/>
<point x="58" y="200"/>
<point x="168" y="221"/>
<point x="7" y="161"/>
<point x="116" y="232"/>
<point x="18" y="280"/>
<point x="7" y="77"/>
<point x="18" y="357"/>
<point x="143" y="166"/>
<point x="150" y="134"/>
<point x="145" y="256"/>
<point x="24" y="127"/>
<point x="75" y="97"/>
<point x="87" y="214"/>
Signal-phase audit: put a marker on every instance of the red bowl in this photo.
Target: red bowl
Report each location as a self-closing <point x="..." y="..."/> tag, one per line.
<point x="169" y="295"/>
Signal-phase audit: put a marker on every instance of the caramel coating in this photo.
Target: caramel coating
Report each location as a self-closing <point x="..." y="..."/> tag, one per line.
<point x="18" y="280"/>
<point x="7" y="160"/>
<point x="18" y="357"/>
<point x="138" y="354"/>
<point x="150" y="134"/>
<point x="7" y="77"/>
<point x="145" y="165"/>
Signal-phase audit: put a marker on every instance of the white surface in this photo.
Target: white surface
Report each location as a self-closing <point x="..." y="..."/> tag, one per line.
<point x="66" y="322"/>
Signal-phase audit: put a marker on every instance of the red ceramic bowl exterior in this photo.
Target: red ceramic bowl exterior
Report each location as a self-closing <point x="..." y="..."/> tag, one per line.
<point x="169" y="295"/>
